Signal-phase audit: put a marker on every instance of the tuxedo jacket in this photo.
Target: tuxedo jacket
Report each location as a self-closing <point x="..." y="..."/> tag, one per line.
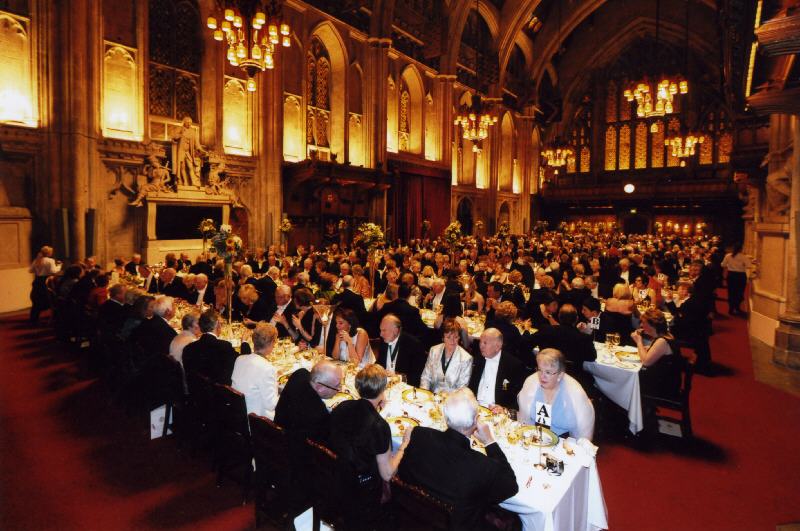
<point x="410" y="357"/>
<point x="444" y="464"/>
<point x="511" y="374"/>
<point x="575" y="346"/>
<point x="352" y="301"/>
<point x="110" y="317"/>
<point x="210" y="357"/>
<point x="409" y="316"/>
<point x="154" y="336"/>
<point x="291" y="309"/>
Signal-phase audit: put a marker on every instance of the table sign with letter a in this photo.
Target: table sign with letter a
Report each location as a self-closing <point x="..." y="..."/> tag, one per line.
<point x="543" y="414"/>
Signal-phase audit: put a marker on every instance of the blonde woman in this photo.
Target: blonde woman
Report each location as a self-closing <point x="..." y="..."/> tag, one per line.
<point x="449" y="366"/>
<point x="42" y="267"/>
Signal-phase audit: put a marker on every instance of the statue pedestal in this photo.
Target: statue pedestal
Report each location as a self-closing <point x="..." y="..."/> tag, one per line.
<point x="787" y="341"/>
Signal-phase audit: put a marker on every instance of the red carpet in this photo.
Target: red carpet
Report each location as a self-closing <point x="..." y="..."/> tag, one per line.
<point x="71" y="460"/>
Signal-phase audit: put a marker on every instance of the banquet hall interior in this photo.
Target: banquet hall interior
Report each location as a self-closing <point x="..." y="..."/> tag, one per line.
<point x="602" y="190"/>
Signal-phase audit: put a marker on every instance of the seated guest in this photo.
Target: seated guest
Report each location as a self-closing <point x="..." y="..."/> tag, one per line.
<point x="132" y="267"/>
<point x="640" y="292"/>
<point x="617" y="317"/>
<point x="591" y="310"/>
<point x="576" y="347"/>
<point x="350" y="342"/>
<point x="111" y="314"/>
<point x="280" y="315"/>
<point x="661" y="360"/>
<point x="691" y="322"/>
<point x="504" y="315"/>
<point x="201" y="293"/>
<point x="168" y="285"/>
<point x="306" y="326"/>
<point x="473" y="300"/>
<point x="574" y="293"/>
<point x="571" y="411"/>
<point x="517" y="291"/>
<point x="188" y="283"/>
<point x="496" y="376"/>
<point x="451" y="309"/>
<point x="362" y="440"/>
<point x="449" y="366"/>
<point x="403" y="310"/>
<point x="303" y="414"/>
<point x="220" y="304"/>
<point x="542" y="312"/>
<point x="250" y="309"/>
<point x="255" y="377"/>
<point x="348" y="298"/>
<point x="400" y="352"/>
<point x="155" y="335"/>
<point x="444" y="463"/>
<point x="360" y="282"/>
<point x="98" y="294"/>
<point x="190" y="331"/>
<point x="434" y="298"/>
<point x="141" y="310"/>
<point x="209" y="356"/>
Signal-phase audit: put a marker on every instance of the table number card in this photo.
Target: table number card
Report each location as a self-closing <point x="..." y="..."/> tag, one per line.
<point x="594" y="323"/>
<point x="543" y="414"/>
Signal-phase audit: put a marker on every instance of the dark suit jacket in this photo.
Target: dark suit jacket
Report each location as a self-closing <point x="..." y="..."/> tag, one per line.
<point x="575" y="346"/>
<point x="210" y="357"/>
<point x="301" y="411"/>
<point x="510" y="369"/>
<point x="110" y="317"/>
<point x="411" y="357"/>
<point x="154" y="336"/>
<point x="352" y="301"/>
<point x="444" y="464"/>
<point x="266" y="289"/>
<point x="290" y="310"/>
<point x="408" y="315"/>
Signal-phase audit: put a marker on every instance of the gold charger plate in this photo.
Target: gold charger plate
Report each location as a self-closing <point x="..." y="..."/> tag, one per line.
<point x="337" y="399"/>
<point x="399" y="425"/>
<point x="421" y="395"/>
<point x="548" y="437"/>
<point x="283" y="379"/>
<point x="484" y="413"/>
<point x="623" y="355"/>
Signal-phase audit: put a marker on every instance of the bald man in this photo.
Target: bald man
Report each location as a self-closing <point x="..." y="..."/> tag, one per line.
<point x="400" y="352"/>
<point x="280" y="315"/>
<point x="496" y="377"/>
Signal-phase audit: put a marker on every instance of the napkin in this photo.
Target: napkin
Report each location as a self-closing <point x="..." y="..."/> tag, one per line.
<point x="587" y="446"/>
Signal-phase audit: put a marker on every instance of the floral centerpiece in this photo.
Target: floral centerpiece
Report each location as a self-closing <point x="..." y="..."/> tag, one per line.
<point x="370" y="236"/>
<point x="452" y="234"/>
<point x="343" y="224"/>
<point x="207" y="230"/>
<point x="478" y="226"/>
<point x="286" y="226"/>
<point x="227" y="246"/>
<point x="503" y="230"/>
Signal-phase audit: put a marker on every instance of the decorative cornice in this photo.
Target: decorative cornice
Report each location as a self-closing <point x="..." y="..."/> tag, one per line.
<point x="780" y="36"/>
<point x="775" y="101"/>
<point x="23" y="140"/>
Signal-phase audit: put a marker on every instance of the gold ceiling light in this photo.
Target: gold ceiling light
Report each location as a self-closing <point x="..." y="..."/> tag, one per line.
<point x="253" y="31"/>
<point x="558" y="153"/>
<point x="475" y="118"/>
<point x="684" y="145"/>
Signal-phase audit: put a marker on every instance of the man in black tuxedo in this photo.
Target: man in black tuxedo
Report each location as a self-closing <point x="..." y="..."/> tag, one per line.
<point x="281" y="312"/>
<point x="445" y="465"/>
<point x="409" y="315"/>
<point x="266" y="289"/>
<point x="302" y="413"/>
<point x="202" y="266"/>
<point x="209" y="356"/>
<point x="112" y="314"/>
<point x="576" y="347"/>
<point x="351" y="300"/>
<point x="155" y="334"/>
<point x="201" y="291"/>
<point x="576" y="293"/>
<point x="496" y="377"/>
<point x="132" y="267"/>
<point x="400" y="352"/>
<point x="169" y="284"/>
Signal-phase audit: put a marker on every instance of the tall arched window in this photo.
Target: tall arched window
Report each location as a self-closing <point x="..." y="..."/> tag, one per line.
<point x="18" y="90"/>
<point x="392" y="118"/>
<point x="318" y="83"/>
<point x="237" y="114"/>
<point x="175" y="48"/>
<point x="403" y="119"/>
<point x="506" y="164"/>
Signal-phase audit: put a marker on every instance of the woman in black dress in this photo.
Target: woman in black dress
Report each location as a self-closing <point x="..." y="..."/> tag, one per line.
<point x="363" y="441"/>
<point x="662" y="362"/>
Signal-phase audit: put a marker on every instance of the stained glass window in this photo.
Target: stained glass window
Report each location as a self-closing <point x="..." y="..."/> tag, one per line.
<point x="611" y="103"/>
<point x="673" y="126"/>
<point x="611" y="148"/>
<point x="657" y="147"/>
<point x="586" y="156"/>
<point x="625" y="147"/>
<point x="640" y="160"/>
<point x="724" y="148"/>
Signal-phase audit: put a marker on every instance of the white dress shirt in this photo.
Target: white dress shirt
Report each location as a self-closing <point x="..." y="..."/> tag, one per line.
<point x="625" y="275"/>
<point x="201" y="295"/>
<point x="437" y="300"/>
<point x="277" y="313"/>
<point x="488" y="381"/>
<point x="257" y="379"/>
<point x="178" y="343"/>
<point x="391" y="348"/>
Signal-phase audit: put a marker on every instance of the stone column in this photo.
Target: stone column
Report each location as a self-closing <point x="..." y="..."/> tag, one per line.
<point x="787" y="335"/>
<point x="212" y="81"/>
<point x="444" y="101"/>
<point x="268" y="189"/>
<point x="75" y="110"/>
<point x="525" y="157"/>
<point x="374" y="84"/>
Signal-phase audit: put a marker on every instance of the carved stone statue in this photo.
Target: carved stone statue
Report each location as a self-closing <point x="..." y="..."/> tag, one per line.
<point x="153" y="178"/>
<point x="219" y="183"/>
<point x="779" y="184"/>
<point x="187" y="155"/>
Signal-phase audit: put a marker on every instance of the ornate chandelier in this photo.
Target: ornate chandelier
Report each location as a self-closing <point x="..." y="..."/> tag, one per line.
<point x="656" y="101"/>
<point x="475" y="121"/>
<point x="251" y="46"/>
<point x="558" y="153"/>
<point x="683" y="145"/>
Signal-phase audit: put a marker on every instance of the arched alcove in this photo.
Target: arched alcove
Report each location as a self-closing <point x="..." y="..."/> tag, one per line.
<point x="464" y="215"/>
<point x="329" y="37"/>
<point x="355" y="131"/>
<point x="391" y="116"/>
<point x="505" y="174"/>
<point x="411" y="108"/>
<point x="504" y="214"/>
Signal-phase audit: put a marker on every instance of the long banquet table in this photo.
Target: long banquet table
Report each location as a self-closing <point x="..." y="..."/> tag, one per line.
<point x="618" y="379"/>
<point x="573" y="500"/>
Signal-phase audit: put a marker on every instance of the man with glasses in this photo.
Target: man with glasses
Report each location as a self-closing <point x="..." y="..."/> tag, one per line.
<point x="303" y="414"/>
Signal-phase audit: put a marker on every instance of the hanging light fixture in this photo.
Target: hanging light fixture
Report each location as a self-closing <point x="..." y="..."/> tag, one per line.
<point x="655" y="98"/>
<point x="252" y="31"/>
<point x="684" y="144"/>
<point x="558" y="153"/>
<point x="476" y="118"/>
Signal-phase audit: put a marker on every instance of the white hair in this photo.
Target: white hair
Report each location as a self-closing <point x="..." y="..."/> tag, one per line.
<point x="577" y="283"/>
<point x="461" y="409"/>
<point x="162" y="305"/>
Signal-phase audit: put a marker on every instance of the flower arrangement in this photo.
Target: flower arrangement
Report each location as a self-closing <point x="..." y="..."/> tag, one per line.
<point x="478" y="225"/>
<point x="286" y="226"/>
<point x="226" y="245"/>
<point x="370" y="235"/>
<point x="503" y="230"/>
<point x="343" y="224"/>
<point x="452" y="233"/>
<point x="207" y="228"/>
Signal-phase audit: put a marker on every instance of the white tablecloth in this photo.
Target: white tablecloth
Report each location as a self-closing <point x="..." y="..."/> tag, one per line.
<point x="620" y="384"/>
<point x="573" y="501"/>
